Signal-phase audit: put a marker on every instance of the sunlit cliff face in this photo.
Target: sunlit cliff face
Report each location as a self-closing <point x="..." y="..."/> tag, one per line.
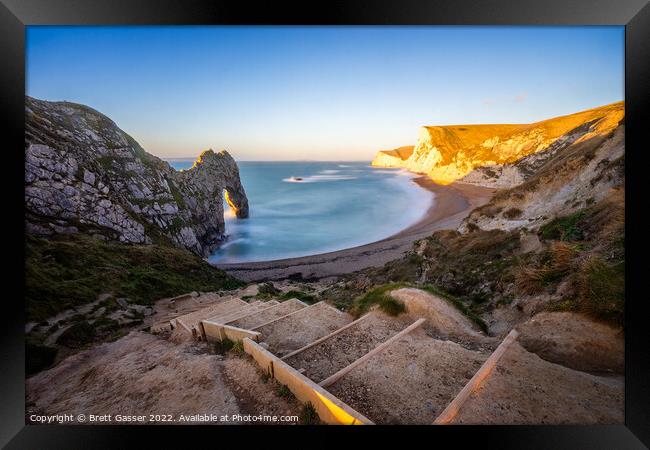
<point x="233" y="208"/>
<point x="449" y="153"/>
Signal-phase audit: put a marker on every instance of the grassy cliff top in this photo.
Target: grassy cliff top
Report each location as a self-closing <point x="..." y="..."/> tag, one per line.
<point x="71" y="270"/>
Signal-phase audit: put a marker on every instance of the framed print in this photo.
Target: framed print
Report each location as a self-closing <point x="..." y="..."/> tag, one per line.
<point x="293" y="220"/>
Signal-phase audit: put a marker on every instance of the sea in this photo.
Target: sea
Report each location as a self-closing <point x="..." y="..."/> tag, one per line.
<point x="306" y="208"/>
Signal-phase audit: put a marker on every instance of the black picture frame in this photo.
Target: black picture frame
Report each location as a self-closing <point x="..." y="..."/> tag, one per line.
<point x="633" y="14"/>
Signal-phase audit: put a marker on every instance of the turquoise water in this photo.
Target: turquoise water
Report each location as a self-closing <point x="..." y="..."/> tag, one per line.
<point x="336" y="205"/>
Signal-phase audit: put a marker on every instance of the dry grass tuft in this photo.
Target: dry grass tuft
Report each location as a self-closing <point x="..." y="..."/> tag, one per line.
<point x="564" y="255"/>
<point x="512" y="213"/>
<point x="530" y="280"/>
<point x="602" y="289"/>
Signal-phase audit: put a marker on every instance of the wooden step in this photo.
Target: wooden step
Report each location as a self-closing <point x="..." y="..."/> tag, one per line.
<point x="232" y="316"/>
<point x="523" y="388"/>
<point x="300" y="328"/>
<point x="191" y="320"/>
<point x="346" y="345"/>
<point x="410" y="381"/>
<point x="255" y="319"/>
<point x="473" y="384"/>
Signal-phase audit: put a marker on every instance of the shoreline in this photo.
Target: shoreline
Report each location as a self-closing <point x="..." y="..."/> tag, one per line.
<point x="452" y="203"/>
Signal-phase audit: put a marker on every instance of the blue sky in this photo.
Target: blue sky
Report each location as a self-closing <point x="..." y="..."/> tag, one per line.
<point x="320" y="93"/>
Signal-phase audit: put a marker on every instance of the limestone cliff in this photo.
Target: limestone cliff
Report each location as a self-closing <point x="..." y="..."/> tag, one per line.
<point x="84" y="174"/>
<point x="583" y="174"/>
<point x="398" y="157"/>
<point x="498" y="155"/>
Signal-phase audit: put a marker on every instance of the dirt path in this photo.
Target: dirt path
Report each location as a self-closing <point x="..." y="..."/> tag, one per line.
<point x="410" y="382"/>
<point x="445" y="319"/>
<point x="525" y="389"/>
<point x="333" y="354"/>
<point x="302" y="328"/>
<point x="255" y="393"/>
<point x="142" y="374"/>
<point x="138" y="374"/>
<point x="451" y="205"/>
<point x="575" y="341"/>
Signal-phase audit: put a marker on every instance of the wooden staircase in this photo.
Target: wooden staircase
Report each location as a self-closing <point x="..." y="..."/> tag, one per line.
<point x="375" y="369"/>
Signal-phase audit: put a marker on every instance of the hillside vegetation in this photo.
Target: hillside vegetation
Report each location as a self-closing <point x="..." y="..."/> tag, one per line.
<point x="551" y="239"/>
<point x="67" y="271"/>
<point x="497" y="278"/>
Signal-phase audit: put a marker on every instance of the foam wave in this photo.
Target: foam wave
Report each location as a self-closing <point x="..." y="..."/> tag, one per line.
<point x="318" y="179"/>
<point x="406" y="173"/>
<point x="397" y="172"/>
<point x="228" y="243"/>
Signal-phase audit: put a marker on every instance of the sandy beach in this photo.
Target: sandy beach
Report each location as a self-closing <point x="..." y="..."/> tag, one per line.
<point x="451" y="205"/>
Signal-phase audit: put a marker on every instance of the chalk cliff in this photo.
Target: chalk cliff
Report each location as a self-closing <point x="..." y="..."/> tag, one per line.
<point x="498" y="155"/>
<point x="583" y="174"/>
<point x="84" y="174"/>
<point x="398" y="157"/>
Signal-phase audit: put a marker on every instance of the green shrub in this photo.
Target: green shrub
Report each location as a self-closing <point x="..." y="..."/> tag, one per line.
<point x="284" y="392"/>
<point x="380" y="296"/>
<point x="309" y="415"/>
<point x="267" y="289"/>
<point x="303" y="297"/>
<point x="238" y="348"/>
<point x="603" y="290"/>
<point x="221" y="347"/>
<point x="566" y="228"/>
